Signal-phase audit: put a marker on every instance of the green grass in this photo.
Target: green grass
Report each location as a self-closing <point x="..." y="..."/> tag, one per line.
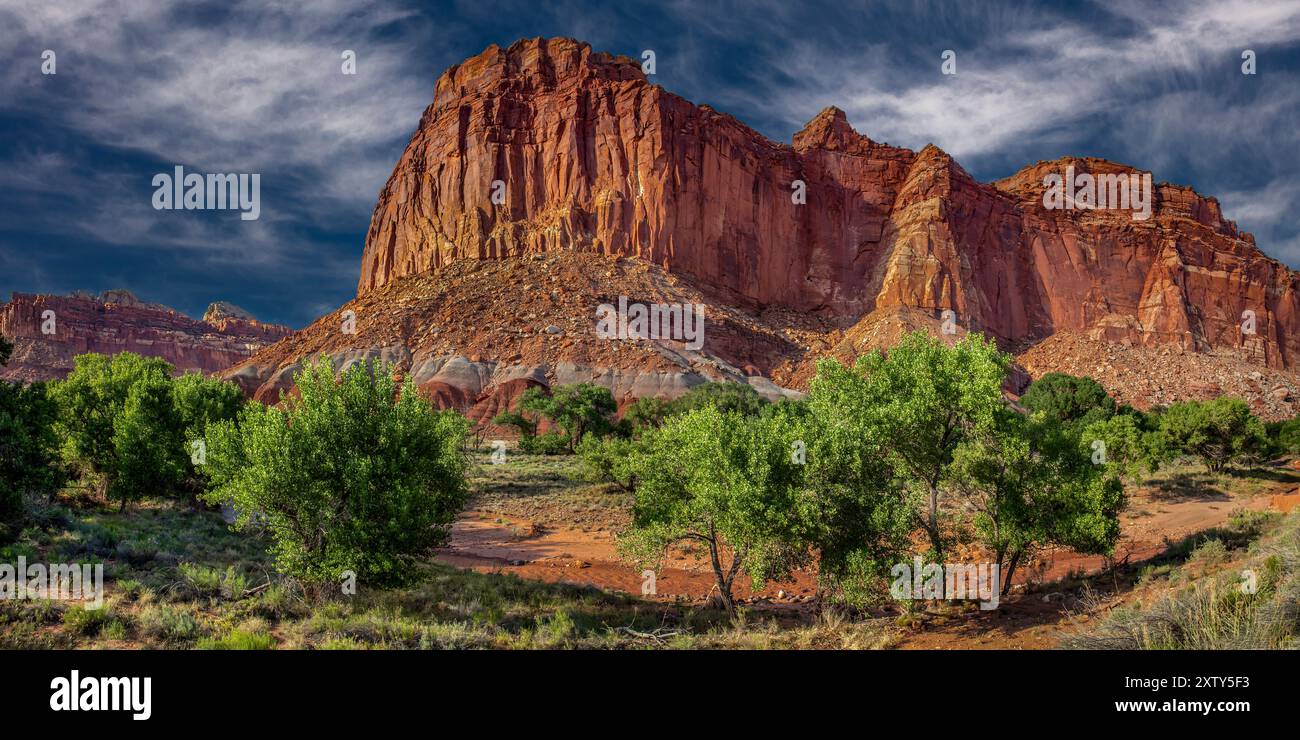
<point x="548" y="490"/>
<point x="178" y="578"/>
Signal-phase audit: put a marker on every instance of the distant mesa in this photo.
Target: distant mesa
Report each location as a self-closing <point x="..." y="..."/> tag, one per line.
<point x="118" y="321"/>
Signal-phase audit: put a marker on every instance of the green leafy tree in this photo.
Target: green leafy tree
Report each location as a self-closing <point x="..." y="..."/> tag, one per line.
<point x="1030" y="486"/>
<point x="723" y="395"/>
<point x="921" y="401"/>
<point x="1073" y="400"/>
<point x="646" y="413"/>
<point x="1120" y="442"/>
<point x="856" y="514"/>
<point x="28" y="450"/>
<point x="349" y="476"/>
<point x="151" y="457"/>
<point x="1219" y="432"/>
<point x="725" y="482"/>
<point x="1285" y="436"/>
<point x="199" y="401"/>
<point x="513" y="419"/>
<point x="577" y="408"/>
<point x="119" y="426"/>
<point x="610" y="460"/>
<point x="6" y="350"/>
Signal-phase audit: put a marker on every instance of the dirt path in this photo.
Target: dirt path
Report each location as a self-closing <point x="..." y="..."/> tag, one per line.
<point x="486" y="541"/>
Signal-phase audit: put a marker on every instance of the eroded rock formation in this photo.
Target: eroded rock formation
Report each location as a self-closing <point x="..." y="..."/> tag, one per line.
<point x="548" y="149"/>
<point x="117" y="321"/>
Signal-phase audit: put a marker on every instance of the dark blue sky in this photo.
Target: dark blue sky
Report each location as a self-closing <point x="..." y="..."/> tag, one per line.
<point x="142" y="86"/>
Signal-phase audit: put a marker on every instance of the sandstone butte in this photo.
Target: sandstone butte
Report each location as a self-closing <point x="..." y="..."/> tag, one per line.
<point x="117" y="321"/>
<point x="612" y="184"/>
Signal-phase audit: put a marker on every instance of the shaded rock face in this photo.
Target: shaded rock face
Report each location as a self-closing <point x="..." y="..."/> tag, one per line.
<point x="117" y="321"/>
<point x="591" y="157"/>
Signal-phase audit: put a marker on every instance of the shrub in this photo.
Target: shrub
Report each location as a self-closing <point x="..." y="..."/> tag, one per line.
<point x="82" y="621"/>
<point x="352" y="475"/>
<point x="168" y="623"/>
<point x="550" y="443"/>
<point x="206" y="582"/>
<point x="238" y="639"/>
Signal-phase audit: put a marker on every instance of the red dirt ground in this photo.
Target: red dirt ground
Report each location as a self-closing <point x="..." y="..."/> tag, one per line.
<point x="489" y="542"/>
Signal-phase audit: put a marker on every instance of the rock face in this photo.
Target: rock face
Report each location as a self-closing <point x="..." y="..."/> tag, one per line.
<point x="548" y="149"/>
<point x="589" y="156"/>
<point x="117" y="321"/>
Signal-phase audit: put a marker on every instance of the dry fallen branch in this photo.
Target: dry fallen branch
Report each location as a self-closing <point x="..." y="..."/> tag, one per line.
<point x="659" y="635"/>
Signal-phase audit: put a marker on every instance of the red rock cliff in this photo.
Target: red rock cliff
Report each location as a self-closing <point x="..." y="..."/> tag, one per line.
<point x="118" y="322"/>
<point x="595" y="158"/>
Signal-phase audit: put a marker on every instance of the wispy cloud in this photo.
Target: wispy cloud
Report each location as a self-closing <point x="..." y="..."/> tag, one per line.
<point x="256" y="86"/>
<point x="242" y="87"/>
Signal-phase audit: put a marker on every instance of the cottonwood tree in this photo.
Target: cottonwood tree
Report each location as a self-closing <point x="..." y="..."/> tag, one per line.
<point x="611" y="460"/>
<point x="351" y="475"/>
<point x="1218" y="432"/>
<point x="28" y="450"/>
<point x="1121" y="443"/>
<point x="919" y="403"/>
<point x="1071" y="399"/>
<point x="1029" y="486"/>
<point x="197" y="402"/>
<point x="118" y="424"/>
<point x="577" y="408"/>
<point x="856" y="514"/>
<point x="722" y="395"/>
<point x="725" y="482"/>
<point x="647" y="412"/>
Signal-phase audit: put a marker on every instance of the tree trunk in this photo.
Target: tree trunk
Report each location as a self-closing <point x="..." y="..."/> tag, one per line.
<point x="724" y="579"/>
<point x="724" y="588"/>
<point x="932" y="528"/>
<point x="1011" y="572"/>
